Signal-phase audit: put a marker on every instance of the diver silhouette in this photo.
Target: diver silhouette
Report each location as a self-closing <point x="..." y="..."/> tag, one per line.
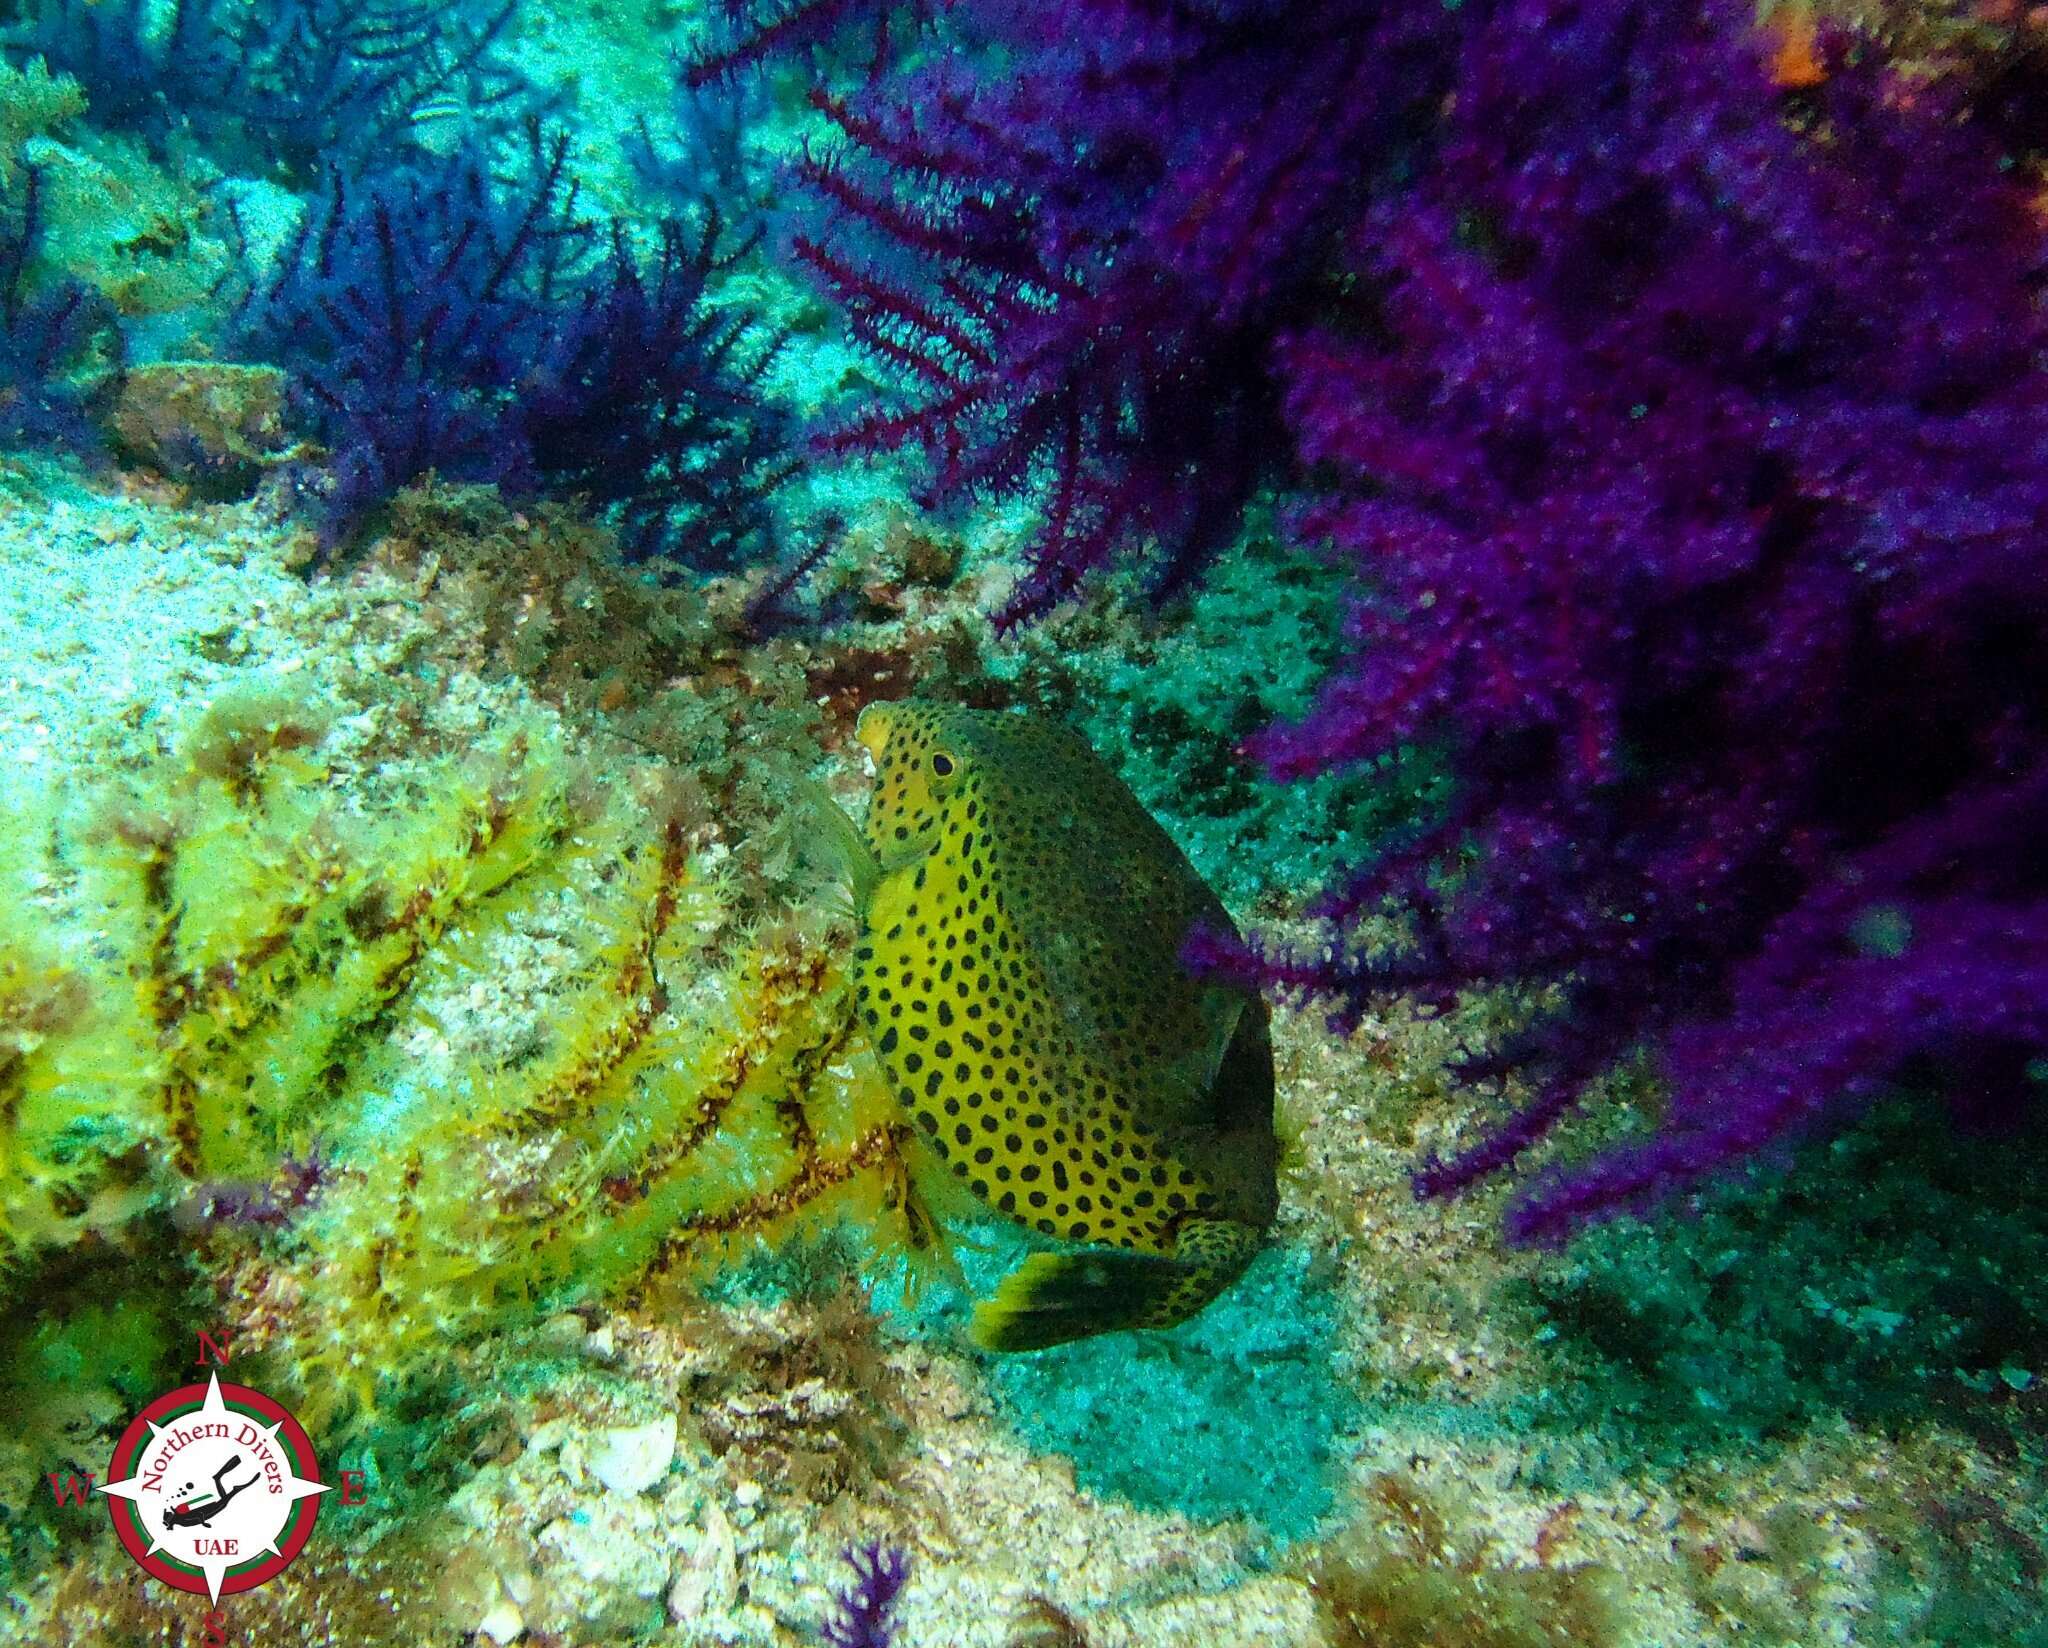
<point x="185" y="1514"/>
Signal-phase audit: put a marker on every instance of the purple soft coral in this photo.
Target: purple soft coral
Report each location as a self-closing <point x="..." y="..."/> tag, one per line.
<point x="865" y="1607"/>
<point x="1700" y="492"/>
<point x="1689" y="439"/>
<point x="1079" y="269"/>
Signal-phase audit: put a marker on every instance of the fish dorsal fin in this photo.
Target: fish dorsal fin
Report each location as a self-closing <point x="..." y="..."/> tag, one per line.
<point x="1222" y="1008"/>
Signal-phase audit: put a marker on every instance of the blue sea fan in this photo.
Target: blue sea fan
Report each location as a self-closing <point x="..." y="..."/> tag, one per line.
<point x="328" y="77"/>
<point x="700" y="149"/>
<point x="297" y="83"/>
<point x="140" y="65"/>
<point x="645" y="400"/>
<point x="47" y="334"/>
<point x="437" y="317"/>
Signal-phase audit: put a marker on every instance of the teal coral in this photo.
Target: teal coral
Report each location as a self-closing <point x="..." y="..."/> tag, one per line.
<point x="33" y="101"/>
<point x="135" y="230"/>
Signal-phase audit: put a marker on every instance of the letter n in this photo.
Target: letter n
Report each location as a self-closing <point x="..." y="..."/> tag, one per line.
<point x="212" y="1350"/>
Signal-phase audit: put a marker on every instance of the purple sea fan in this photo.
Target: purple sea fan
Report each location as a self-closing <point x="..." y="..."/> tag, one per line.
<point x="865" y="1607"/>
<point x="646" y="400"/>
<point x="1692" y="449"/>
<point x="1688" y="437"/>
<point x="1076" y="261"/>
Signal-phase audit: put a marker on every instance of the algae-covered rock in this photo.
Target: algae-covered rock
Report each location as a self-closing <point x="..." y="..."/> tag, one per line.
<point x="32" y="101"/>
<point x="126" y="226"/>
<point x="213" y="423"/>
<point x="630" y="1459"/>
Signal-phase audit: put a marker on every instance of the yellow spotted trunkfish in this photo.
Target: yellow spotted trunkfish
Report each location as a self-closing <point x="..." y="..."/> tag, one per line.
<point x="1018" y="975"/>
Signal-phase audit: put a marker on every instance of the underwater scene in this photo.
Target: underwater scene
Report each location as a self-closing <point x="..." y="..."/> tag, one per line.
<point x="1023" y="823"/>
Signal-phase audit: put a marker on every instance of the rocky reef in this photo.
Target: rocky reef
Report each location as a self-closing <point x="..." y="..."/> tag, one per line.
<point x="466" y="468"/>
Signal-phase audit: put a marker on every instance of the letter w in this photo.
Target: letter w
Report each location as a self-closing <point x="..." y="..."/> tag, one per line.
<point x="70" y="1489"/>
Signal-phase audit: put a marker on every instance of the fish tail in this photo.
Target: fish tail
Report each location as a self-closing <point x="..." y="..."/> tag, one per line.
<point x="1054" y="1297"/>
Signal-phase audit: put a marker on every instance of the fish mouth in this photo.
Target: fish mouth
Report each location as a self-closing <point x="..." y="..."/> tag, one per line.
<point x="872" y="729"/>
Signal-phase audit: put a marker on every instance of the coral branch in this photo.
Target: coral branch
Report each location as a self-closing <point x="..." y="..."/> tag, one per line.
<point x="1684" y="431"/>
<point x="435" y="319"/>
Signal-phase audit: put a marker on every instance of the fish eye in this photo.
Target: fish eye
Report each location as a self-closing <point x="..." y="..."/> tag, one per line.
<point x="942" y="764"/>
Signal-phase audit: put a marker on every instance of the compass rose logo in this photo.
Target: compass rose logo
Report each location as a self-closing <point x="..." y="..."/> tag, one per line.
<point x="214" y="1488"/>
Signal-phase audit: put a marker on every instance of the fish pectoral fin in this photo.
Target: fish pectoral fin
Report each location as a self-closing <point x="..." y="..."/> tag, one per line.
<point x="839" y="841"/>
<point x="1193" y="1076"/>
<point x="1055" y="1297"/>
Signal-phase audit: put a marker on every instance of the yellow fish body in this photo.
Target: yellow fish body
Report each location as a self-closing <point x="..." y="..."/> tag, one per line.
<point x="1018" y="974"/>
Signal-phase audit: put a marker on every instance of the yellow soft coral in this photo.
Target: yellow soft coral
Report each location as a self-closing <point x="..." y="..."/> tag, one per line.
<point x="685" y="1109"/>
<point x="254" y="947"/>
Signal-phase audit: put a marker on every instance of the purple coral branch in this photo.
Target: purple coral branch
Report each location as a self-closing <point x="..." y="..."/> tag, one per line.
<point x="865" y="1606"/>
<point x="438" y="315"/>
<point x="1665" y="530"/>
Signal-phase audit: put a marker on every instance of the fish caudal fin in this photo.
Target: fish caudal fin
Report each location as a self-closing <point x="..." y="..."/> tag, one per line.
<point x="1055" y="1297"/>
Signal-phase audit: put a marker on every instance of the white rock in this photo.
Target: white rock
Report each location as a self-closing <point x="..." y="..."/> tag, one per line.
<point x="549" y="1435"/>
<point x="707" y="1582"/>
<point x="630" y="1459"/>
<point x="613" y="1544"/>
<point x="518" y="1582"/>
<point x="502" y="1624"/>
